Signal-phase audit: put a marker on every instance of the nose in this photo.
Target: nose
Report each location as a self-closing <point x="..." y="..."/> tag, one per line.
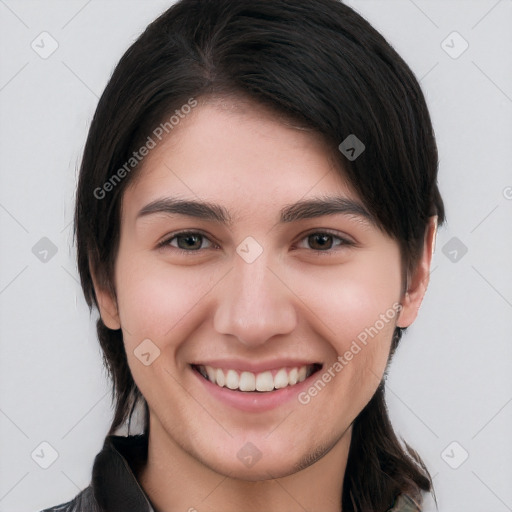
<point x="256" y="303"/>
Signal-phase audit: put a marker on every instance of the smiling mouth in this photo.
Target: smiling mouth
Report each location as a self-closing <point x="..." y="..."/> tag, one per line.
<point x="263" y="382"/>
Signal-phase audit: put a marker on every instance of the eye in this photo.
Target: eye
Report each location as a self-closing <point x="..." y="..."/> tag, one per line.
<point x="194" y="241"/>
<point x="186" y="241"/>
<point x="324" y="241"/>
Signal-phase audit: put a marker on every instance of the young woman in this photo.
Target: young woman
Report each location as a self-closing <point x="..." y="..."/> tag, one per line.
<point x="255" y="219"/>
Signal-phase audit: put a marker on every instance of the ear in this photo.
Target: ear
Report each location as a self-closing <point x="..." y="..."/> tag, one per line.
<point x="107" y="304"/>
<point x="418" y="282"/>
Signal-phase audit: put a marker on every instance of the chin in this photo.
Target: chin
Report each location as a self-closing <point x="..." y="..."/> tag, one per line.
<point x="265" y="469"/>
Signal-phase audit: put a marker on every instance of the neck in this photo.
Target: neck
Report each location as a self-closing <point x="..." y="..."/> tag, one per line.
<point x="174" y="479"/>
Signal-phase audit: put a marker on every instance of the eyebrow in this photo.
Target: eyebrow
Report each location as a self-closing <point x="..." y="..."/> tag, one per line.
<point x="304" y="209"/>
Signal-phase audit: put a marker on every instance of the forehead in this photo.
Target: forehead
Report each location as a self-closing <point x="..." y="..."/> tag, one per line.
<point x="240" y="155"/>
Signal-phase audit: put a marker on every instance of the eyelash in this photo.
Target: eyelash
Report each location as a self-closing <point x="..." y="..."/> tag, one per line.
<point x="166" y="243"/>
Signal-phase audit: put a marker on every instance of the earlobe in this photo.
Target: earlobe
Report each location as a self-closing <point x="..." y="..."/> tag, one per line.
<point x="418" y="282"/>
<point x="107" y="304"/>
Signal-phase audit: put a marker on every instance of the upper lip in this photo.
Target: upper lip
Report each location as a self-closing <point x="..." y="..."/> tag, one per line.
<point x="255" y="366"/>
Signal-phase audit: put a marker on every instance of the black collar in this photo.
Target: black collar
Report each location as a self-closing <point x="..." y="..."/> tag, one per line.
<point x="114" y="484"/>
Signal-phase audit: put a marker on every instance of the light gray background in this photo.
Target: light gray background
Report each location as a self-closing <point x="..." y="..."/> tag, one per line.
<point x="451" y="379"/>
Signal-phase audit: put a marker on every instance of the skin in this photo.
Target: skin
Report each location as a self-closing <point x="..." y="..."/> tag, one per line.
<point x="294" y="300"/>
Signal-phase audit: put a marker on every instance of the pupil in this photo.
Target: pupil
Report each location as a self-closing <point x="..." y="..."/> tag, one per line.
<point x="324" y="241"/>
<point x="189" y="242"/>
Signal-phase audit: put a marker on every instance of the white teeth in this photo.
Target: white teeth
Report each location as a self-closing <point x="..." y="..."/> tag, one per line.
<point x="264" y="381"/>
<point x="281" y="379"/>
<point x="211" y="373"/>
<point x="219" y="376"/>
<point x="247" y="381"/>
<point x="232" y="379"/>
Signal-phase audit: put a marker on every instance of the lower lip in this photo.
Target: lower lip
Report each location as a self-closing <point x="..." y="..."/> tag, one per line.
<point x="253" y="401"/>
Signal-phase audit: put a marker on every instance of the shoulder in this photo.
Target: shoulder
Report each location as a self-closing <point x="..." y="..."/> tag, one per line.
<point x="114" y="484"/>
<point x="83" y="502"/>
<point x="407" y="503"/>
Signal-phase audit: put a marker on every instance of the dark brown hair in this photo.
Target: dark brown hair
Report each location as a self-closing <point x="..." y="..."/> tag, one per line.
<point x="314" y="61"/>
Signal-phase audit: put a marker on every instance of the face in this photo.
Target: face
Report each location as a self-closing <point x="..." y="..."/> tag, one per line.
<point x="254" y="327"/>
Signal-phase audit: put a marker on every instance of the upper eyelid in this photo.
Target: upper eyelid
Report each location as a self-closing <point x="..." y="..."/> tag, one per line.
<point x="347" y="240"/>
<point x="167" y="239"/>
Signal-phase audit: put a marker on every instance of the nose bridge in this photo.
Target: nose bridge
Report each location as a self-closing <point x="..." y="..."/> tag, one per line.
<point x="255" y="305"/>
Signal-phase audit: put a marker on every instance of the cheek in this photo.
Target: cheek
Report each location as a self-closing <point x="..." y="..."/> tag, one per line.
<point x="359" y="306"/>
<point x="154" y="298"/>
<point x="357" y="301"/>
